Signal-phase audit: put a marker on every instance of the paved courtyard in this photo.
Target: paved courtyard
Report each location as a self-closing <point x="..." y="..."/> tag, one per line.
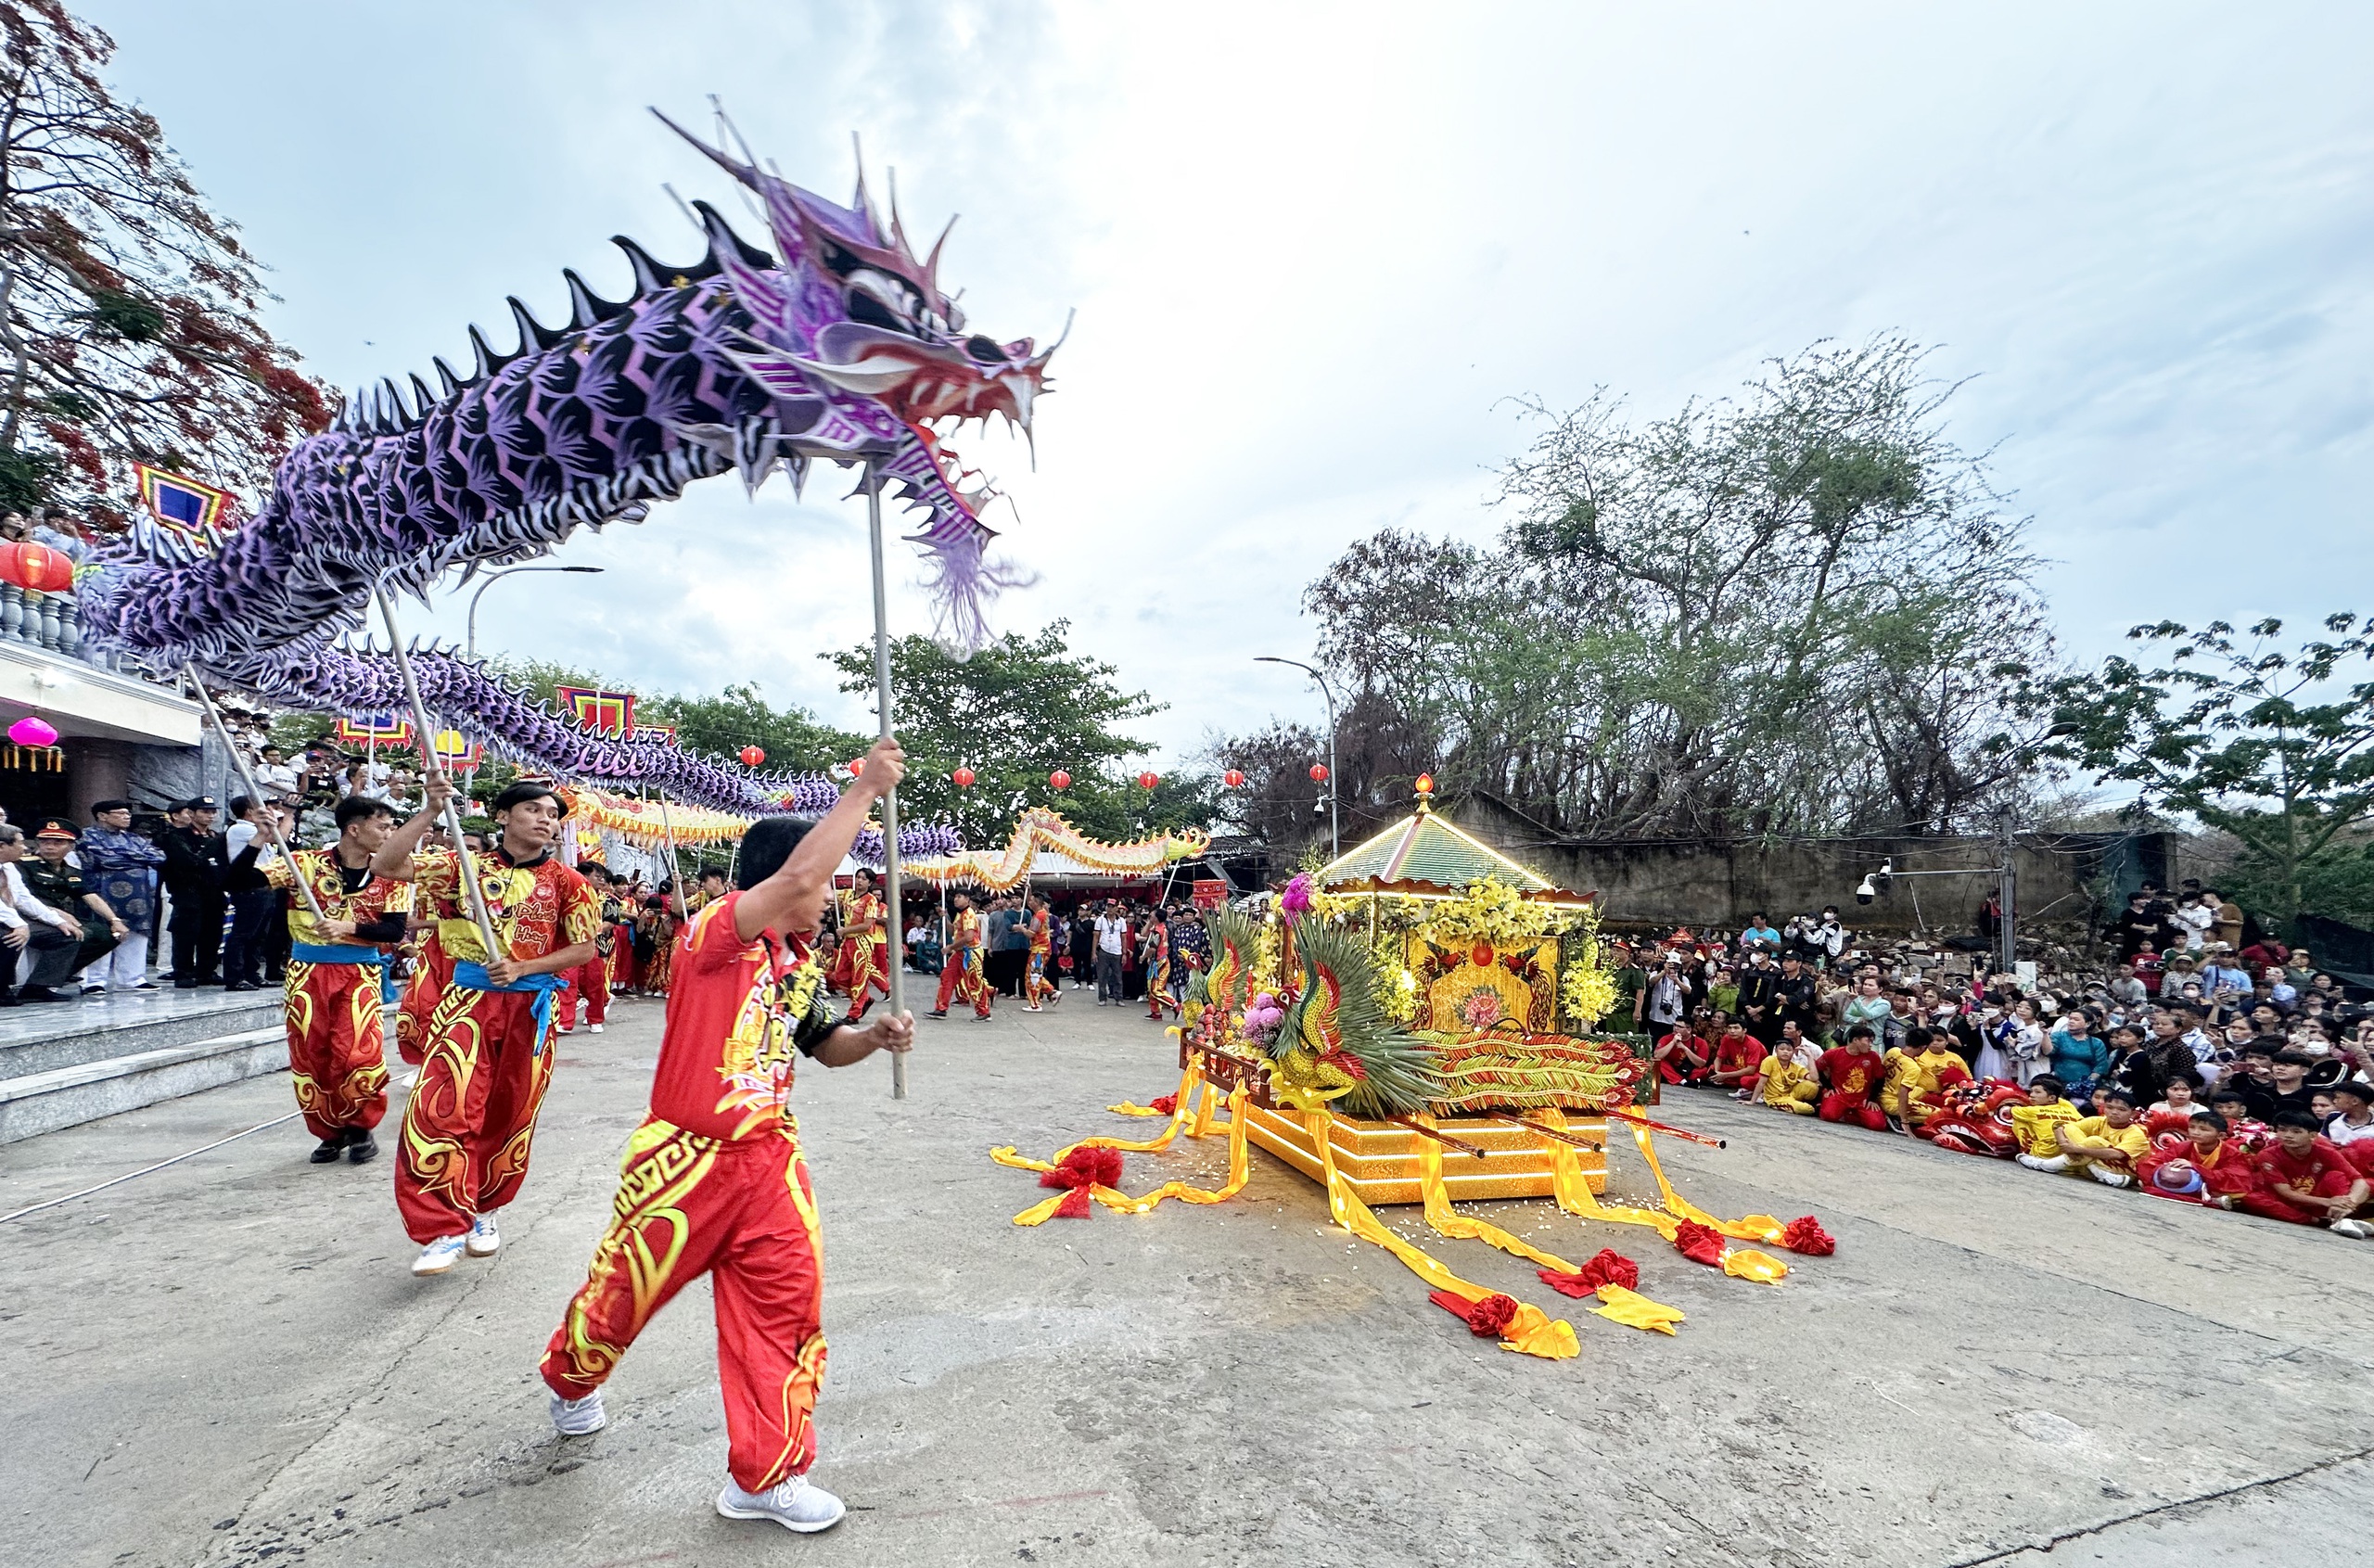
<point x="226" y="1362"/>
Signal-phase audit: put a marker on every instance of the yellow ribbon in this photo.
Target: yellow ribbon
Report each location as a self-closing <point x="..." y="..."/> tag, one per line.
<point x="1532" y="1332"/>
<point x="1240" y="1160"/>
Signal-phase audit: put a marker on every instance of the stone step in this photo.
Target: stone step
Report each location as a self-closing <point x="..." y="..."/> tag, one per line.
<point x="80" y="1032"/>
<point x="68" y="1096"/>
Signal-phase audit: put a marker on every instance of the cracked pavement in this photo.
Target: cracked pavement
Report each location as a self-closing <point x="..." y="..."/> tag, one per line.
<point x="227" y="1363"/>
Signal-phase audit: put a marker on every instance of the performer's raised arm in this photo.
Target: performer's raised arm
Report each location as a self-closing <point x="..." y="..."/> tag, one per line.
<point x="393" y="858"/>
<point x="793" y="897"/>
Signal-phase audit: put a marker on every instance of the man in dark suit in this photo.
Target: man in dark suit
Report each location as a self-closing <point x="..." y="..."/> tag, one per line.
<point x="196" y="868"/>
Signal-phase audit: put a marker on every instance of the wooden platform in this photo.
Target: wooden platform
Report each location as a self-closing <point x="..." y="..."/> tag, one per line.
<point x="1380" y="1159"/>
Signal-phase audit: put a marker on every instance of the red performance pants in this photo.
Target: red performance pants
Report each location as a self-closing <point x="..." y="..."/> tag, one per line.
<point x="1837" y="1107"/>
<point x="593" y="977"/>
<point x="472" y="1113"/>
<point x="430" y="976"/>
<point x="2271" y="1205"/>
<point x="961" y="980"/>
<point x="336" y="1044"/>
<point x="864" y="970"/>
<point x="744" y="1213"/>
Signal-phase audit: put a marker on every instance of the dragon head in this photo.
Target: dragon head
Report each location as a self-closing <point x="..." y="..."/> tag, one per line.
<point x="865" y="357"/>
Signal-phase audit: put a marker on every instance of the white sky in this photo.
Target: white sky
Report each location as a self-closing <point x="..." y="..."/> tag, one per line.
<point x="1314" y="248"/>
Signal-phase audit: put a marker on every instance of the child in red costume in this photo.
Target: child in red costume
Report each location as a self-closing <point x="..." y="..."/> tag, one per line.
<point x="962" y="979"/>
<point x="591" y="979"/>
<point x="865" y="946"/>
<point x="2226" y="1170"/>
<point x="487" y="1059"/>
<point x="337" y="1041"/>
<point x="1853" y="1072"/>
<point x="2308" y="1182"/>
<point x="713" y="1182"/>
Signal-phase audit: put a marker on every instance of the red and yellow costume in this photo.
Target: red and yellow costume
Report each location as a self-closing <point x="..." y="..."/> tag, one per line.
<point x="1914" y="1078"/>
<point x="713" y="1184"/>
<point x="960" y="978"/>
<point x="659" y="926"/>
<point x="865" y="960"/>
<point x="1853" y="1077"/>
<point x="591" y="979"/>
<point x="2324" y="1171"/>
<point x="337" y="1043"/>
<point x="1036" y="988"/>
<point x="432" y="972"/>
<point x="2226" y="1171"/>
<point x="472" y="1114"/>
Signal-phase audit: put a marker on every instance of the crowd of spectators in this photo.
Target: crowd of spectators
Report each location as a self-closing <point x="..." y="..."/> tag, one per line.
<point x="2191" y="1063"/>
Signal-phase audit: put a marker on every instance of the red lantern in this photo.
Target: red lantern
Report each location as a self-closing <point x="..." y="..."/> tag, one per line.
<point x="1233" y="779"/>
<point x="1060" y="779"/>
<point x="1148" y="779"/>
<point x="857" y="767"/>
<point x="36" y="566"/>
<point x="962" y="778"/>
<point x="752" y="756"/>
<point x="1319" y="772"/>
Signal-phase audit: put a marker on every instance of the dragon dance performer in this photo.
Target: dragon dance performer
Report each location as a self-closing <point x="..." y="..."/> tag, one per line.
<point x="1854" y="1072"/>
<point x="592" y="978"/>
<point x="714" y="1182"/>
<point x="337" y="1043"/>
<point x="432" y="969"/>
<point x="1037" y="988"/>
<point x="472" y="1113"/>
<point x="960" y="978"/>
<point x="1917" y="1072"/>
<point x="866" y="947"/>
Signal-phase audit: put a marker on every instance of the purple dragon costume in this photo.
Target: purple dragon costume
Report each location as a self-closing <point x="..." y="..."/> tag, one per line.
<point x="844" y="350"/>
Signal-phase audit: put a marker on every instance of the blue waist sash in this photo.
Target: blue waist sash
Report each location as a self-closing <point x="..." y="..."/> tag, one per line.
<point x="472" y="976"/>
<point x="314" y="952"/>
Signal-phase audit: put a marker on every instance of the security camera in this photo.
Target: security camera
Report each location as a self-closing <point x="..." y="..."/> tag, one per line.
<point x="1871" y="885"/>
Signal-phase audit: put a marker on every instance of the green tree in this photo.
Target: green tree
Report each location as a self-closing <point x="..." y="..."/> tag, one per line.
<point x="720" y="726"/>
<point x="1015" y="712"/>
<point x="1800" y="609"/>
<point x="2273" y="745"/>
<point x="129" y="324"/>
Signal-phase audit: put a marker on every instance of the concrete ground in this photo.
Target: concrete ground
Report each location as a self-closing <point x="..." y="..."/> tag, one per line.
<point x="226" y="1362"/>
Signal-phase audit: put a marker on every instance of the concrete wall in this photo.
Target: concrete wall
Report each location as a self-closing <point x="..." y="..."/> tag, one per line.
<point x="1706" y="884"/>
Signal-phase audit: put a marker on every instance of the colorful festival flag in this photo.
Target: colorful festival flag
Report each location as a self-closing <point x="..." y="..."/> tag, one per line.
<point x="186" y="516"/>
<point x="374" y="729"/>
<point x="598" y="712"/>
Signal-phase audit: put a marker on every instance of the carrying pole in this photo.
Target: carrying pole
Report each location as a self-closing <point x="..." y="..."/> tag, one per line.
<point x="248" y="779"/>
<point x="470" y="874"/>
<point x="895" y="942"/>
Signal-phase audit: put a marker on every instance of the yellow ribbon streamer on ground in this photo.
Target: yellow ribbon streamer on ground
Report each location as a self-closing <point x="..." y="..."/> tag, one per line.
<point x="1531" y="1332"/>
<point x="1240" y="1157"/>
<point x="1741" y="1263"/>
<point x="1635" y="1310"/>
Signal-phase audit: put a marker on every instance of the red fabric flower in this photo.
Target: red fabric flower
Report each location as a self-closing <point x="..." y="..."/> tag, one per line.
<point x="1487" y="1319"/>
<point x="1075" y="1205"/>
<point x="1095" y="1166"/>
<point x="1610" y="1267"/>
<point x="1805" y="1234"/>
<point x="1700" y="1243"/>
<point x="1167" y="1103"/>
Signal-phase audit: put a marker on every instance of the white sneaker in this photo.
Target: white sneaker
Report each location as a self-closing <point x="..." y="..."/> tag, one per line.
<point x="2353" y="1229"/>
<point x="795" y="1505"/>
<point x="594" y="1028"/>
<point x="568" y="1028"/>
<point x="440" y="1255"/>
<point x="485" y="1241"/>
<point x="576" y="1418"/>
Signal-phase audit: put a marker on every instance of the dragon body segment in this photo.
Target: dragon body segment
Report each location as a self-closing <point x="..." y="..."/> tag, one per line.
<point x="838" y="345"/>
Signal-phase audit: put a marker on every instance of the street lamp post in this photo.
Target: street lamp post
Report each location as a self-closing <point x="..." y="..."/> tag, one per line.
<point x="1334" y="785"/>
<point x="470" y="644"/>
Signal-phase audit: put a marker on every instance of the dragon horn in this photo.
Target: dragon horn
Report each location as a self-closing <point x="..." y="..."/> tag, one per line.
<point x="746" y="173"/>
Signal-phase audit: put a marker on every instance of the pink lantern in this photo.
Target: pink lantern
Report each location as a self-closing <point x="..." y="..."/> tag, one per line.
<point x="31" y="730"/>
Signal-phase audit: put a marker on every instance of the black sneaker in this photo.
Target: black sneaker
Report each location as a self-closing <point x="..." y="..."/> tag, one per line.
<point x="937" y="1013"/>
<point x="37" y="993"/>
<point x="327" y="1150"/>
<point x="243" y="985"/>
<point x="360" y="1145"/>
